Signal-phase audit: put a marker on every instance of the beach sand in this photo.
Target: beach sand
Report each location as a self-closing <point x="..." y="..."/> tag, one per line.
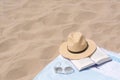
<point x="32" y="30"/>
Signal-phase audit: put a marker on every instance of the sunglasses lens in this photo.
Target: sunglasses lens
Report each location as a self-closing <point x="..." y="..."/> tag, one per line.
<point x="69" y="70"/>
<point x="58" y="70"/>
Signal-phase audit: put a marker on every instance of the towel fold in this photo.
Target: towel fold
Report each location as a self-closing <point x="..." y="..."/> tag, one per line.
<point x="111" y="68"/>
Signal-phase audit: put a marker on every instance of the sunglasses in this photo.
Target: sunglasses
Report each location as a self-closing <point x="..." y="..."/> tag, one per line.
<point x="59" y="69"/>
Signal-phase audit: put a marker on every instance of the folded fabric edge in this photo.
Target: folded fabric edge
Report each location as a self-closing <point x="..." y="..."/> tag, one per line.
<point x="115" y="56"/>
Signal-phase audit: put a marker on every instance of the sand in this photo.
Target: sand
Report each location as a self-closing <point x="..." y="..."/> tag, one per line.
<point x="32" y="30"/>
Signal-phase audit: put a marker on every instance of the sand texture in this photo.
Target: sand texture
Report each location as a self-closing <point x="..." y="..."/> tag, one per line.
<point x="32" y="30"/>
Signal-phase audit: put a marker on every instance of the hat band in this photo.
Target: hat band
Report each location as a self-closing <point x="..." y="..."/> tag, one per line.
<point x="78" y="51"/>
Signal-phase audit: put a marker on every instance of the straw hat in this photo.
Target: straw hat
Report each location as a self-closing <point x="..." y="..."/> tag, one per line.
<point x="77" y="47"/>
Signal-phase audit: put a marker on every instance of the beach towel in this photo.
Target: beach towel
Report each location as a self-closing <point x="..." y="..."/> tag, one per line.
<point x="111" y="68"/>
<point x="92" y="73"/>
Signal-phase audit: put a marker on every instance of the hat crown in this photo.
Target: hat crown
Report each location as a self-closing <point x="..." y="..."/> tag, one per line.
<point x="76" y="42"/>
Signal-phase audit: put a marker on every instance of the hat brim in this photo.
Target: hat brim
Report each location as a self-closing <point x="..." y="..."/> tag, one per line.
<point x="88" y="52"/>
